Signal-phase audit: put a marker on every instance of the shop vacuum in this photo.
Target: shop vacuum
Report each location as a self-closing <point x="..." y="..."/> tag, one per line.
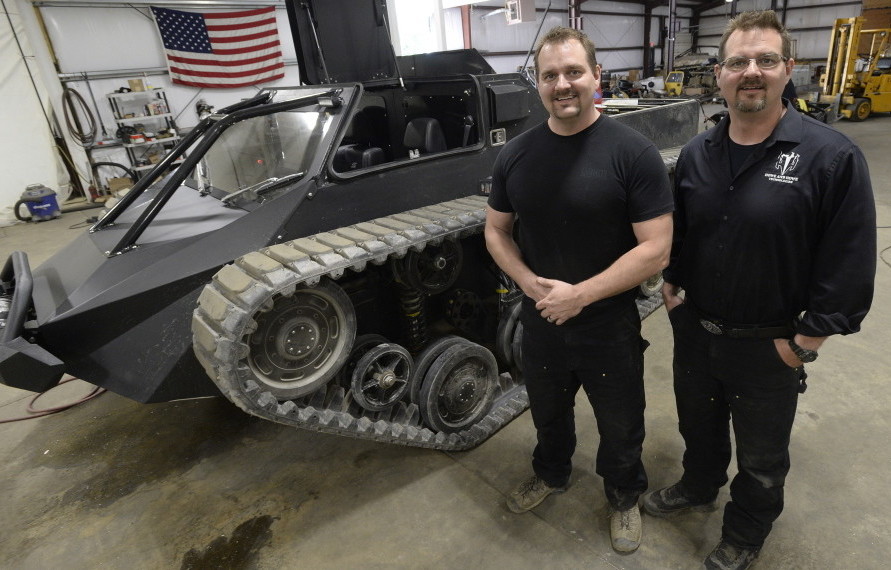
<point x="41" y="202"/>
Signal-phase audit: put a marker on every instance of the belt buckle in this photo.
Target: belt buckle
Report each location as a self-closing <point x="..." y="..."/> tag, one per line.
<point x="710" y="327"/>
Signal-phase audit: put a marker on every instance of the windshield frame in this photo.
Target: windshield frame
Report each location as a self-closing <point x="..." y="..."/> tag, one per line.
<point x="210" y="129"/>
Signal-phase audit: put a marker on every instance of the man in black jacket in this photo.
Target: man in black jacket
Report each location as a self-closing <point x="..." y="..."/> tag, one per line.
<point x="775" y="249"/>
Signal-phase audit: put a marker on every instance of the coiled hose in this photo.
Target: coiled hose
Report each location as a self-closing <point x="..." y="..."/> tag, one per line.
<point x="71" y="100"/>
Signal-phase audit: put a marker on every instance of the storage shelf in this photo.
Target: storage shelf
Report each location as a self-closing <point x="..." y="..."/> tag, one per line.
<point x="142" y="118"/>
<point x="156" y="141"/>
<point x="134" y="94"/>
<point x="139" y="103"/>
<point x="105" y="144"/>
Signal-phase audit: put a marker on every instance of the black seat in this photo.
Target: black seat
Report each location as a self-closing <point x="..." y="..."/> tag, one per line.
<point x="425" y="135"/>
<point x="373" y="155"/>
<point x="358" y="150"/>
<point x="354" y="156"/>
<point x="347" y="157"/>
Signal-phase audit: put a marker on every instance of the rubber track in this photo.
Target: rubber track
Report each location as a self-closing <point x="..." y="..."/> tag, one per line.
<point x="238" y="291"/>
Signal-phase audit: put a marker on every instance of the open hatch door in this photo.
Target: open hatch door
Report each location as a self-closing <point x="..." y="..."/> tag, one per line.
<point x="326" y="33"/>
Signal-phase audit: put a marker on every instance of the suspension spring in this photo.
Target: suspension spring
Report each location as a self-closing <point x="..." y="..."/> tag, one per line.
<point x="414" y="319"/>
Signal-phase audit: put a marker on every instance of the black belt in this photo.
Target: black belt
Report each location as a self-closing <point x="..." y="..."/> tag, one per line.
<point x="768" y="330"/>
<point x="754" y="331"/>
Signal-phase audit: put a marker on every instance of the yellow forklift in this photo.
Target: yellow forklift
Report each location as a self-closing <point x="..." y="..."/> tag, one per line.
<point x="674" y="83"/>
<point x="857" y="80"/>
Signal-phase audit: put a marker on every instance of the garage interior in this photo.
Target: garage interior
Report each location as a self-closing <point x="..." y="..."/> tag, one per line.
<point x="198" y="483"/>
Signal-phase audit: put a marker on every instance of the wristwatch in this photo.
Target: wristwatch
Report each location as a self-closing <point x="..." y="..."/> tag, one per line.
<point x="803" y="354"/>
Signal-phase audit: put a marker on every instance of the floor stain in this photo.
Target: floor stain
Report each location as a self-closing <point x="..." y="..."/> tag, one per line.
<point x="235" y="553"/>
<point x="134" y="444"/>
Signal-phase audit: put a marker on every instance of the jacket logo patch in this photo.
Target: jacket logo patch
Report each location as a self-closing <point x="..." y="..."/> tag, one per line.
<point x="785" y="164"/>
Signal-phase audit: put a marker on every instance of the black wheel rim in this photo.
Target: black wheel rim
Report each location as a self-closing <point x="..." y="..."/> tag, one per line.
<point x="361" y="346"/>
<point x="434" y="269"/>
<point x="381" y="377"/>
<point x="458" y="389"/>
<point x="425" y="359"/>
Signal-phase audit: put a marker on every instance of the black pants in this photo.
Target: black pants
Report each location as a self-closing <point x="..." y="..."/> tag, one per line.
<point x="718" y="379"/>
<point x="607" y="361"/>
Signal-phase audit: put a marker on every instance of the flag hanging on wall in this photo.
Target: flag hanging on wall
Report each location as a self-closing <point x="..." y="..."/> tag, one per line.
<point x="221" y="49"/>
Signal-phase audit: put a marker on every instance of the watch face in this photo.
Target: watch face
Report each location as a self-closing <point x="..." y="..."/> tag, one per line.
<point x="803" y="354"/>
<point x="807" y="356"/>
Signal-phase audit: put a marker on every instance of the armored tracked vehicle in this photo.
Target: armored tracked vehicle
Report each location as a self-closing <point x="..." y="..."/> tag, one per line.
<point x="315" y="253"/>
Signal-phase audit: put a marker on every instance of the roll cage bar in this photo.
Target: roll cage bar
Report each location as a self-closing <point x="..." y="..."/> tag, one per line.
<point x="212" y="127"/>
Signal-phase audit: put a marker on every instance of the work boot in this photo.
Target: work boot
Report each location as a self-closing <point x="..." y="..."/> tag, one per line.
<point x="530" y="493"/>
<point x="671" y="501"/>
<point x="625" y="529"/>
<point x="725" y="556"/>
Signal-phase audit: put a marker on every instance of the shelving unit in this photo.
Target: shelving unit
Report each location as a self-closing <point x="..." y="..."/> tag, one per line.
<point x="146" y="112"/>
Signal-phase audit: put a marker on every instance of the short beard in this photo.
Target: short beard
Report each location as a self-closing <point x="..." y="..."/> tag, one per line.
<point x="751" y="106"/>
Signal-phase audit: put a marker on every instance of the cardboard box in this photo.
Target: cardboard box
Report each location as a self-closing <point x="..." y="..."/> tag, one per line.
<point x="115" y="184"/>
<point x="633" y="75"/>
<point x="136" y="85"/>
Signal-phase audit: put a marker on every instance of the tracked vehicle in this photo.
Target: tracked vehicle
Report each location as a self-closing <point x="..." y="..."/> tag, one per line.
<point x="317" y="257"/>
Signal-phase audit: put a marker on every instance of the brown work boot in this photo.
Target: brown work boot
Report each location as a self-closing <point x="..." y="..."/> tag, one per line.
<point x="625" y="530"/>
<point x="530" y="493"/>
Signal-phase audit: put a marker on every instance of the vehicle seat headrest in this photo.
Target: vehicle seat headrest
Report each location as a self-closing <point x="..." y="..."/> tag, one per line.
<point x="425" y="134"/>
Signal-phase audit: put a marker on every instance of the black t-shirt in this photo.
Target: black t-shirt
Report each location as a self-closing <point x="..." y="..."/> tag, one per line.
<point x="576" y="197"/>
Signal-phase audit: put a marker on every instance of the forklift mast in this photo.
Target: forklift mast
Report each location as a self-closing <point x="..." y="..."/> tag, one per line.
<point x="853" y="82"/>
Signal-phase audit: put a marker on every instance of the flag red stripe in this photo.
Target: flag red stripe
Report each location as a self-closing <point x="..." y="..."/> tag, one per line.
<point x="237" y="51"/>
<point x="244" y="38"/>
<point x="230" y="85"/>
<point x="245" y="25"/>
<point x="242" y="14"/>
<point x="214" y="62"/>
<point x="247" y="73"/>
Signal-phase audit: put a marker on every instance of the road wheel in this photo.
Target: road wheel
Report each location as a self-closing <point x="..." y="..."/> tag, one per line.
<point x="505" y="334"/>
<point x="362" y="344"/>
<point x="458" y="389"/>
<point x="301" y="340"/>
<point x="381" y="377"/>
<point x="425" y="360"/>
<point x="432" y="270"/>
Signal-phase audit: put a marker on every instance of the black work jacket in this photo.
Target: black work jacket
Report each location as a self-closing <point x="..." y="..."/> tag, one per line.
<point x="792" y="232"/>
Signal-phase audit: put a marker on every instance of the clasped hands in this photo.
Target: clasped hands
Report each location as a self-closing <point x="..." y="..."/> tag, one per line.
<point x="557" y="301"/>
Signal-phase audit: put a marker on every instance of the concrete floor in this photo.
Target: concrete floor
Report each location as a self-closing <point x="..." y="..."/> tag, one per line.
<point x="199" y="484"/>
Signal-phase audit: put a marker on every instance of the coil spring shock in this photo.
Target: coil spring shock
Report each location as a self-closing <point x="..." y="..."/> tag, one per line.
<point x="414" y="319"/>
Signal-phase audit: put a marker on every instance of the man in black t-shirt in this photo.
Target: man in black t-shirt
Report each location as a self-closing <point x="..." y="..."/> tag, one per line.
<point x="594" y="206"/>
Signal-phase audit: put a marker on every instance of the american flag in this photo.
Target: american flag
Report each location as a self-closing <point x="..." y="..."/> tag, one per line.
<point x="221" y="49"/>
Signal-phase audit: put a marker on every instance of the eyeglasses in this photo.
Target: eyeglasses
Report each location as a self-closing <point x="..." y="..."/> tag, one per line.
<point x="765" y="61"/>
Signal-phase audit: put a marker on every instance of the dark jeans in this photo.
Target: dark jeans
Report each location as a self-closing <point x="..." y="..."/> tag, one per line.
<point x="718" y="379"/>
<point x="608" y="362"/>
